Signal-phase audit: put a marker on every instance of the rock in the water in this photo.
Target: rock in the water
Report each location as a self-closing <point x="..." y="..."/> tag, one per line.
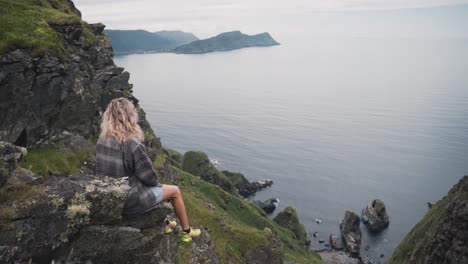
<point x="9" y="155"/>
<point x="351" y="233"/>
<point x="288" y="219"/>
<point x="375" y="216"/>
<point x="267" y="206"/>
<point x="245" y="187"/>
<point x="335" y="243"/>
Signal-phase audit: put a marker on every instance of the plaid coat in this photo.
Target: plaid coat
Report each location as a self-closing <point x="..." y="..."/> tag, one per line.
<point x="129" y="159"/>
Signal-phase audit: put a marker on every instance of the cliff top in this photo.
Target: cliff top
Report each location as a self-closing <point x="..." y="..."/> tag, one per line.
<point x="28" y="24"/>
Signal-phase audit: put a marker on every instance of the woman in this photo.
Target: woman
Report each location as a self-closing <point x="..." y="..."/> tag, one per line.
<point x="120" y="153"/>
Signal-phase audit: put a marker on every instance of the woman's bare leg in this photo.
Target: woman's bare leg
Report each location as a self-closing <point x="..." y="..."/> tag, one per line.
<point x="173" y="192"/>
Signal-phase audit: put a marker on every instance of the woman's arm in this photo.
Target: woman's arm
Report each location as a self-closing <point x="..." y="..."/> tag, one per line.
<point x="144" y="167"/>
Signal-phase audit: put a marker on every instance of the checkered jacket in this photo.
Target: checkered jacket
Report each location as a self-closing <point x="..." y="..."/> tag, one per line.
<point x="129" y="159"/>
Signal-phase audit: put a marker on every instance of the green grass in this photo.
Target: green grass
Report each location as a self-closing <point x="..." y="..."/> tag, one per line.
<point x="198" y="164"/>
<point x="26" y="24"/>
<point x="417" y="241"/>
<point x="288" y="218"/>
<point x="236" y="225"/>
<point x="47" y="162"/>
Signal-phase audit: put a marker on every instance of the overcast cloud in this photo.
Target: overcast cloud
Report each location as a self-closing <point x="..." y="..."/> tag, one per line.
<point x="209" y="17"/>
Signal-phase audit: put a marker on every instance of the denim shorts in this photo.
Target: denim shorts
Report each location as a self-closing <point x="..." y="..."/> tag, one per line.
<point x="158" y="193"/>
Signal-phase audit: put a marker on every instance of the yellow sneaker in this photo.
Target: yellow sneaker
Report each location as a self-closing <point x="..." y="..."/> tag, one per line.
<point x="187" y="237"/>
<point x="168" y="228"/>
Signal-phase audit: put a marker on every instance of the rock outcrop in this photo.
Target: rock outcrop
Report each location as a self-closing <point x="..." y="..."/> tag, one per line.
<point x="442" y="235"/>
<point x="198" y="164"/>
<point x="288" y="219"/>
<point x="245" y="187"/>
<point x="75" y="219"/>
<point x="9" y="156"/>
<point x="374" y="216"/>
<point x="43" y="96"/>
<point x="268" y="206"/>
<point x="351" y="233"/>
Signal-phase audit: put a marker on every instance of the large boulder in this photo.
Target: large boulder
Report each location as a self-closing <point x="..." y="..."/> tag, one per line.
<point x="374" y="216"/>
<point x="288" y="219"/>
<point x="73" y="219"/>
<point x="442" y="235"/>
<point x="198" y="164"/>
<point x="351" y="233"/>
<point x="245" y="187"/>
<point x="9" y="155"/>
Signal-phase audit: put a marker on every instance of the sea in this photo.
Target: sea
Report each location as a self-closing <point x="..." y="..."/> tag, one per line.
<point x="336" y="116"/>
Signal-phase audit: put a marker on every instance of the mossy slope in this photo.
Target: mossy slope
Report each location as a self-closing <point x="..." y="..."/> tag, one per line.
<point x="198" y="164"/>
<point x="441" y="236"/>
<point x="236" y="225"/>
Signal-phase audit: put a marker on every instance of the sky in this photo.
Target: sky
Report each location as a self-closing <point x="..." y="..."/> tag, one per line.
<point x="359" y="17"/>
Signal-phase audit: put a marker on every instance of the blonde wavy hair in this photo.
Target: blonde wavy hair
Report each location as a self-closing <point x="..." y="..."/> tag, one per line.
<point x="120" y="121"/>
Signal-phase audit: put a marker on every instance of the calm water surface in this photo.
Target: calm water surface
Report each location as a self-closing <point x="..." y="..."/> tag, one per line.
<point x="335" y="122"/>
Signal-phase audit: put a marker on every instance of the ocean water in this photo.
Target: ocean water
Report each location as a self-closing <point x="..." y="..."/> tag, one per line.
<point x="334" y="120"/>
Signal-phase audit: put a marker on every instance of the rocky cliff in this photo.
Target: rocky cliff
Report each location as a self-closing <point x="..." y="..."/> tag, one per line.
<point x="56" y="78"/>
<point x="442" y="235"/>
<point x="51" y="93"/>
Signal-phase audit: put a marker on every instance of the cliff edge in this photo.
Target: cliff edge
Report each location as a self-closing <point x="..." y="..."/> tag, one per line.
<point x="442" y="235"/>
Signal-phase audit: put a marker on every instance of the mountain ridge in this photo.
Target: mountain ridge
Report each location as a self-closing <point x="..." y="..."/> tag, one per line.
<point x="180" y="42"/>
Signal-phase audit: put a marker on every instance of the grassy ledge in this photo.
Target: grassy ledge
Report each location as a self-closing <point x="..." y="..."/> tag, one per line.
<point x="26" y="24"/>
<point x="235" y="225"/>
<point x="47" y="162"/>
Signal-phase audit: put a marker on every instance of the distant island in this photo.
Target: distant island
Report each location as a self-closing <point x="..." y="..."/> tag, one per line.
<point x="142" y="41"/>
<point x="227" y="41"/>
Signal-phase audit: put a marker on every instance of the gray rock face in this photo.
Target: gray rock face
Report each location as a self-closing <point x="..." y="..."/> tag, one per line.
<point x="375" y="216"/>
<point x="26" y="176"/>
<point x="74" y="220"/>
<point x="9" y="155"/>
<point x="335" y="243"/>
<point x="42" y="96"/>
<point x="351" y="233"/>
